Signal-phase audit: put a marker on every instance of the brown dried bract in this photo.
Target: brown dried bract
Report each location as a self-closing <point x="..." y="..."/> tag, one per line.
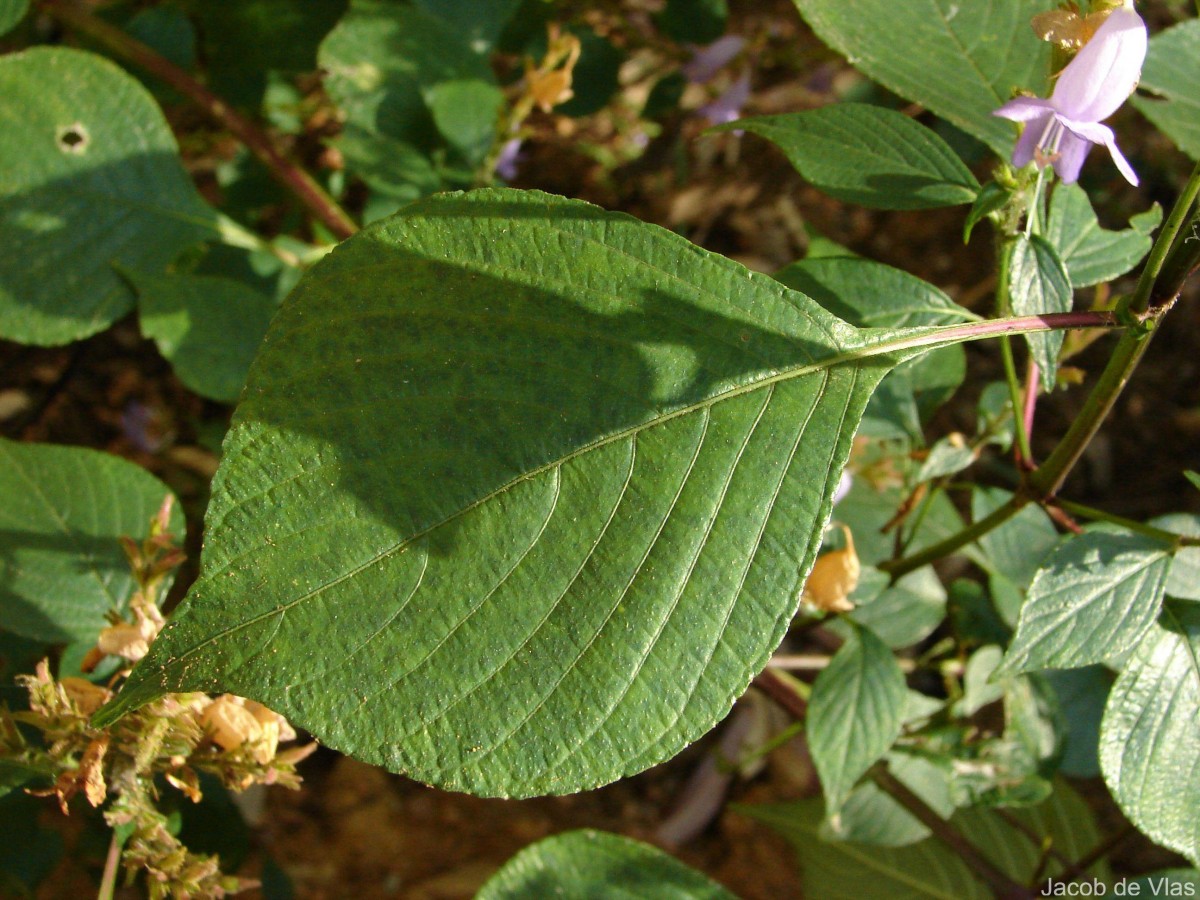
<point x="834" y="578"/>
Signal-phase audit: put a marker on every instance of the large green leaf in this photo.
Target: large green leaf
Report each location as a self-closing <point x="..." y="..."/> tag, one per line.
<point x="1090" y="602"/>
<point x="520" y="495"/>
<point x="89" y="176"/>
<point x="1171" y="72"/>
<point x="855" y="713"/>
<point x="1150" y="737"/>
<point x="12" y="12"/>
<point x="1090" y="253"/>
<point x="208" y="327"/>
<point x="868" y="155"/>
<point x="61" y="565"/>
<point x="844" y="870"/>
<point x="961" y="60"/>
<point x="581" y="865"/>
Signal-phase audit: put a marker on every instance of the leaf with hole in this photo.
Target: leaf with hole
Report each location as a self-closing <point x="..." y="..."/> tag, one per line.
<point x="89" y="177"/>
<point x="521" y="494"/>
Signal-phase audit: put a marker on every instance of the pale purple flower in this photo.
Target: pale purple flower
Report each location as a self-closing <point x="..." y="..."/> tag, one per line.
<point x="728" y="107"/>
<point x="1060" y="131"/>
<point x="708" y="61"/>
<point x="508" y="158"/>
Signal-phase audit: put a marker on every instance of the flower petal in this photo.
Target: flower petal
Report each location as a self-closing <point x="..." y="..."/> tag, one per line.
<point x="1024" y="109"/>
<point x="1031" y="135"/>
<point x="1072" y="151"/>
<point x="708" y="61"/>
<point x="1105" y="72"/>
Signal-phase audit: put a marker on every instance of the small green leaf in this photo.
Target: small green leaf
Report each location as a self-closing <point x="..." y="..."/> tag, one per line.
<point x="89" y="176"/>
<point x="1090" y="253"/>
<point x="1016" y="549"/>
<point x="946" y="457"/>
<point x="959" y="60"/>
<point x="381" y="59"/>
<point x="991" y="198"/>
<point x="1038" y="283"/>
<point x="583" y="864"/>
<point x="854" y="714"/>
<point x="1170" y="76"/>
<point x="906" y="612"/>
<point x="868" y="155"/>
<point x="1093" y="598"/>
<point x="208" y="327"/>
<point x="388" y="165"/>
<point x="466" y="112"/>
<point x="534" y="554"/>
<point x="694" y="21"/>
<point x="61" y="565"/>
<point x="11" y="13"/>
<point x="1150" y="737"/>
<point x="1193" y="477"/>
<point x="1184" y="579"/>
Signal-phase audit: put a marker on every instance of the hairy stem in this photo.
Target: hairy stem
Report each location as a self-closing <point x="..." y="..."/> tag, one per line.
<point x="323" y="207"/>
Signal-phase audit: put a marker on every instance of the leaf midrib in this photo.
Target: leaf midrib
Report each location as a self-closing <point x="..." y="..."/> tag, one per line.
<point x="909" y="340"/>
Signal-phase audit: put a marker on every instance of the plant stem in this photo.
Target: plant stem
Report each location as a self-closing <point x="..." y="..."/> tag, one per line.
<point x="108" y="881"/>
<point x="323" y="207"/>
<point x="1099" y="515"/>
<point x="1001" y="885"/>
<point x="1045" y="481"/>
<point x="780" y="689"/>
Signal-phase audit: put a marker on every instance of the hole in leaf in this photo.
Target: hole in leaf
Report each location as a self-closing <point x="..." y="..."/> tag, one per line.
<point x="73" y="138"/>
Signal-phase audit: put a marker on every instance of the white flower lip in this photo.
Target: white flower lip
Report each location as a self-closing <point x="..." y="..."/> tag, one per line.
<point x="1061" y="130"/>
